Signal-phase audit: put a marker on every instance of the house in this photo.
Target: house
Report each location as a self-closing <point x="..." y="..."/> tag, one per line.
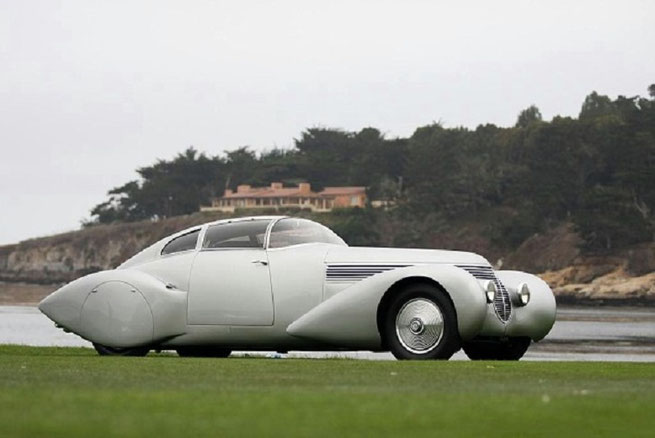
<point x="277" y="196"/>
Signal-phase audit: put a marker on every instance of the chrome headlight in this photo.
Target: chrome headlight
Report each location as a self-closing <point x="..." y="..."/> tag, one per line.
<point x="490" y="290"/>
<point x="524" y="293"/>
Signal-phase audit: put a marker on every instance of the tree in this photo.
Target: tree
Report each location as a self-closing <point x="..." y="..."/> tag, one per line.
<point x="528" y="116"/>
<point x="240" y="165"/>
<point x="325" y="156"/>
<point x="596" y="105"/>
<point x="277" y="165"/>
<point x="167" y="188"/>
<point x="607" y="219"/>
<point x="124" y="204"/>
<point x="445" y="172"/>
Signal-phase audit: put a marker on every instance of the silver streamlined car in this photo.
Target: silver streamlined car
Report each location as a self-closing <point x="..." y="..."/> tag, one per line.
<point x="280" y="283"/>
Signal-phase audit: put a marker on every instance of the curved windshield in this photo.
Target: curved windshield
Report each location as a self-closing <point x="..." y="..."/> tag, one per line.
<point x="184" y="242"/>
<point x="243" y="234"/>
<point x="289" y="231"/>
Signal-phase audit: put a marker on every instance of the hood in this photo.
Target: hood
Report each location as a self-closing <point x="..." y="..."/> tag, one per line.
<point x="355" y="254"/>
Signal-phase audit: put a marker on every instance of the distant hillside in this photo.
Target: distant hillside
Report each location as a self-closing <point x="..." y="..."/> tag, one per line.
<point x="595" y="171"/>
<point x="570" y="198"/>
<point x="33" y="268"/>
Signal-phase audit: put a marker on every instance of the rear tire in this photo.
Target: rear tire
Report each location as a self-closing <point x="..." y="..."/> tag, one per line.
<point x="104" y="350"/>
<point x="497" y="349"/>
<point x="421" y="324"/>
<point x="202" y="352"/>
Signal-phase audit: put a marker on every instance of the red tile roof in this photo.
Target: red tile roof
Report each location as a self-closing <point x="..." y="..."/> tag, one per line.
<point x="347" y="190"/>
<point x="292" y="192"/>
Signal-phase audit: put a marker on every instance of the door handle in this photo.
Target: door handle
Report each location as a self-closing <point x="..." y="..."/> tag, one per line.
<point x="261" y="262"/>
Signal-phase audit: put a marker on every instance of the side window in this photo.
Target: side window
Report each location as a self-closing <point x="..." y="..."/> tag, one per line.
<point x="245" y="234"/>
<point x="184" y="242"/>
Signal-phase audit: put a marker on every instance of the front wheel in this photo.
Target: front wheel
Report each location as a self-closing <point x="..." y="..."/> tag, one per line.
<point x="497" y="349"/>
<point x="104" y="350"/>
<point x="421" y="324"/>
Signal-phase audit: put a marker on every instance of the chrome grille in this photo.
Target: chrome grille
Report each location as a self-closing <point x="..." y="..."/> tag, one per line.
<point x="351" y="273"/>
<point x="502" y="303"/>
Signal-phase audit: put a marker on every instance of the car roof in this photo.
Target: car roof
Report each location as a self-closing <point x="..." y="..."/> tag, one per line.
<point x="243" y="219"/>
<point x="223" y="221"/>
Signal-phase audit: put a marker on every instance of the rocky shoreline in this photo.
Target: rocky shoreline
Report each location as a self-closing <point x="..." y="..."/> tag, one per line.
<point x="616" y="287"/>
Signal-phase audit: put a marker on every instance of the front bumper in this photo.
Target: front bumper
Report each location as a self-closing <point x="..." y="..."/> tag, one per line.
<point x="533" y="320"/>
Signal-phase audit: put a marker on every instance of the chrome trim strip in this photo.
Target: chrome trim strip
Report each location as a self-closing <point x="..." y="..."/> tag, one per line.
<point x="354" y="272"/>
<point x="267" y="236"/>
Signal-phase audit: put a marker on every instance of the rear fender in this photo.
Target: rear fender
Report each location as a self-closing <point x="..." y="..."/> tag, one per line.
<point x="118" y="308"/>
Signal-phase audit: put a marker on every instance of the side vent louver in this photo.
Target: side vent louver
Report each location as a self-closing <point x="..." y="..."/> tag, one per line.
<point x="351" y="273"/>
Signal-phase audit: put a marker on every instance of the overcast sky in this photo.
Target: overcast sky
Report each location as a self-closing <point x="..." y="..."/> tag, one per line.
<point x="91" y="90"/>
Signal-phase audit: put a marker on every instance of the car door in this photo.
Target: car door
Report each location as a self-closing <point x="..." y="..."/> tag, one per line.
<point x="230" y="282"/>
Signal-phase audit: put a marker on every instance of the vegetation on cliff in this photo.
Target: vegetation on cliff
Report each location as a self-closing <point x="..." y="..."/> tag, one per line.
<point x="596" y="171"/>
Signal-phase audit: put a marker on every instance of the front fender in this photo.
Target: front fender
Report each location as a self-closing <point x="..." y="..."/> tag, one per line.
<point x="537" y="317"/>
<point x="349" y="318"/>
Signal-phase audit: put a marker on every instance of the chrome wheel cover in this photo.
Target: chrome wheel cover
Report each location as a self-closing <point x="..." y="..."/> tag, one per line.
<point x="419" y="325"/>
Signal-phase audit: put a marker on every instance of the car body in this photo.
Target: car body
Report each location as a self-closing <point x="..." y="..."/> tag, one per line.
<point x="279" y="283"/>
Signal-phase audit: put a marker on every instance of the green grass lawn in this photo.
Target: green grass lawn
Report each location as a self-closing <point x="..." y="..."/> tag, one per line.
<point x="72" y="392"/>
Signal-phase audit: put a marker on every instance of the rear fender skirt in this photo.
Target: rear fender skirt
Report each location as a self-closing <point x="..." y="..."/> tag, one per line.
<point x="167" y="304"/>
<point x="349" y="318"/>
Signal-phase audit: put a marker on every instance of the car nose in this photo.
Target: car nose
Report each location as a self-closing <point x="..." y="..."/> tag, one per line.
<point x="63" y="306"/>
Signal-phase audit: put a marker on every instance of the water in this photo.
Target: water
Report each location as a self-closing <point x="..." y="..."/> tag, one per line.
<point x="28" y="326"/>
<point x="592" y="333"/>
